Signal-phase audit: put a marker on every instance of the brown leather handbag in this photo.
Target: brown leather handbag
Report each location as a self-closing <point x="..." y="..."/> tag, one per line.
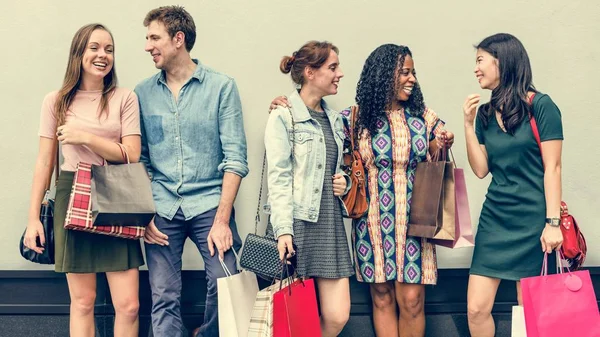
<point x="356" y="198"/>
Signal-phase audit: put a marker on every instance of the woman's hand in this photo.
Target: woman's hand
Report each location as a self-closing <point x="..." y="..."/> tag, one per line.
<point x="34" y="230"/>
<point x="339" y="184"/>
<point x="470" y="108"/>
<point x="551" y="239"/>
<point x="445" y="139"/>
<point x="70" y="135"/>
<point x="284" y="245"/>
<point x="279" y="101"/>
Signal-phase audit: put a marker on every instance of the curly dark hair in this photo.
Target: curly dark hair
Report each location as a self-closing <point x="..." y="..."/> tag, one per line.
<point x="516" y="79"/>
<point x="376" y="89"/>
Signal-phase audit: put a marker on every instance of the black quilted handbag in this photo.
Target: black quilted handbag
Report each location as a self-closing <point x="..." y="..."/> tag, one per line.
<point x="260" y="254"/>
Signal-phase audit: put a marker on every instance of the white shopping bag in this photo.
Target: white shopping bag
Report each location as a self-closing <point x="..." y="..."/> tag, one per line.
<point x="236" y="294"/>
<point x="518" y="322"/>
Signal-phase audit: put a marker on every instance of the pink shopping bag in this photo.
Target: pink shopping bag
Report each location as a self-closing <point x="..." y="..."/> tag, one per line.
<point x="463" y="233"/>
<point x="560" y="305"/>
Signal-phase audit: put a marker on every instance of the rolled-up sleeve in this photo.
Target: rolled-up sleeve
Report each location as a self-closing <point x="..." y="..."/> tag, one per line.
<point x="231" y="131"/>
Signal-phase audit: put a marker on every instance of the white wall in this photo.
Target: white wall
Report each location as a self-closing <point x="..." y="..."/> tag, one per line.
<point x="246" y="39"/>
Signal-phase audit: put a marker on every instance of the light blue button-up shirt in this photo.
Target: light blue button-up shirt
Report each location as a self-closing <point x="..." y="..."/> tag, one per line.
<point x="188" y="144"/>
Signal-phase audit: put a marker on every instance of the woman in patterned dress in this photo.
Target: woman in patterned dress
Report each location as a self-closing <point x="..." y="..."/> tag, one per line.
<point x="396" y="131"/>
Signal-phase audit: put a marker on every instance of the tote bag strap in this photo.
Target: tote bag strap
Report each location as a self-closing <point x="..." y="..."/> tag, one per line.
<point x="534" y="127"/>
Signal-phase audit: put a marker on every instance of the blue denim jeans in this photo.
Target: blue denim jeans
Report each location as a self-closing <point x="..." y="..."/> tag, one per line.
<point x="164" y="267"/>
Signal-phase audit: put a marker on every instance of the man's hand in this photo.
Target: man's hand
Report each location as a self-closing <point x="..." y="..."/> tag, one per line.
<point x="220" y="236"/>
<point x="154" y="236"/>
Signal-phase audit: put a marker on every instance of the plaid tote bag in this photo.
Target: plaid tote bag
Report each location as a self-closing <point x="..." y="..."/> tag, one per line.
<point x="79" y="212"/>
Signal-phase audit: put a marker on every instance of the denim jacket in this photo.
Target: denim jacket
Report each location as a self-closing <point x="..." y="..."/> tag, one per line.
<point x="189" y="143"/>
<point x="304" y="201"/>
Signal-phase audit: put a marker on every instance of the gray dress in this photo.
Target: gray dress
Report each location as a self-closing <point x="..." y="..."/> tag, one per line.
<point x="322" y="246"/>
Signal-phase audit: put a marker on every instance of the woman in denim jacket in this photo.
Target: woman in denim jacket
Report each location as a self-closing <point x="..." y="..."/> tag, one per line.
<point x="304" y="147"/>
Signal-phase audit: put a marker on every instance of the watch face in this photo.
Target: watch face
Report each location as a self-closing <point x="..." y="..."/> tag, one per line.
<point x="553" y="221"/>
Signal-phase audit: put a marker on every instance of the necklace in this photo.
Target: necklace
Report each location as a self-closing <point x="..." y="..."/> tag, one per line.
<point x="93" y="97"/>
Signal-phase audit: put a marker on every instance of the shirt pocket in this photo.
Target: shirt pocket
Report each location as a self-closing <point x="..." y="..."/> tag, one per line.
<point x="303" y="142"/>
<point x="154" y="129"/>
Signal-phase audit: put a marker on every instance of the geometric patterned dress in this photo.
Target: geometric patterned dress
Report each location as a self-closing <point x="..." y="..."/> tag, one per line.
<point x="383" y="251"/>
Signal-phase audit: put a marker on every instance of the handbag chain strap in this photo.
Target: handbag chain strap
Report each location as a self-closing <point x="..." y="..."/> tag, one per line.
<point x="262" y="174"/>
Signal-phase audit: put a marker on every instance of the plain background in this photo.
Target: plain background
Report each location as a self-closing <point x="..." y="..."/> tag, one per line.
<point x="246" y="40"/>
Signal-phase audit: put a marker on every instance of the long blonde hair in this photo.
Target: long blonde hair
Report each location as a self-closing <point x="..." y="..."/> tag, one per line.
<point x="72" y="78"/>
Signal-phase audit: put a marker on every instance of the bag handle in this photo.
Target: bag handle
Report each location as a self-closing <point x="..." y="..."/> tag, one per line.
<point x="224" y="266"/>
<point x="124" y="153"/>
<point x="262" y="174"/>
<point x="290" y="278"/>
<point x="560" y="268"/>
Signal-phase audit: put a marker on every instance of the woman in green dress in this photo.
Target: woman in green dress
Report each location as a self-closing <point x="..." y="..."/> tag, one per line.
<point x="519" y="218"/>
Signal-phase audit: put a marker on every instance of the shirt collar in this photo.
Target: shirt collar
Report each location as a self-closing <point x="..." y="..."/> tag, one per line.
<point x="198" y="73"/>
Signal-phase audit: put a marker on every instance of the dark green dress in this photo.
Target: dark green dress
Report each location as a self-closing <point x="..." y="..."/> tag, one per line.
<point x="81" y="252"/>
<point x="507" y="244"/>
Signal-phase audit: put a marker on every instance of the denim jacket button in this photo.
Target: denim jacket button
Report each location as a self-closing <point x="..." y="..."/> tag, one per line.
<point x="316" y="190"/>
<point x="319" y="166"/>
<point x="321" y="140"/>
<point x="312" y="216"/>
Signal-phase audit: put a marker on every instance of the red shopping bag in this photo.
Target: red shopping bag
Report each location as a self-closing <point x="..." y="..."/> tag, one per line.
<point x="79" y="211"/>
<point x="560" y="305"/>
<point x="295" y="312"/>
<point x="463" y="232"/>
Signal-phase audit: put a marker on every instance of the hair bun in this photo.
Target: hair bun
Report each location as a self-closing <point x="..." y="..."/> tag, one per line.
<point x="286" y="63"/>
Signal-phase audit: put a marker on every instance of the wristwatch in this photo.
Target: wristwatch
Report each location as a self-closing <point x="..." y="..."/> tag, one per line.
<point x="554" y="222"/>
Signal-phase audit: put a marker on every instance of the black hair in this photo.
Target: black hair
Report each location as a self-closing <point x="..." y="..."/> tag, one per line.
<point x="510" y="97"/>
<point x="377" y="86"/>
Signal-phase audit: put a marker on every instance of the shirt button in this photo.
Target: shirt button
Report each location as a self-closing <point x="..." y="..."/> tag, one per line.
<point x="316" y="190"/>
<point x="178" y="161"/>
<point x="176" y="138"/>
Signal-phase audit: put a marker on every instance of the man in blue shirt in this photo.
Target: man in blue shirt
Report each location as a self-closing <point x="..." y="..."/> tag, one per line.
<point x="194" y="147"/>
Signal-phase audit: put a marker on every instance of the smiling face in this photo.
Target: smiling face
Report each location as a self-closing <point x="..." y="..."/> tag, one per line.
<point x="98" y="58"/>
<point x="486" y="70"/>
<point x="326" y="78"/>
<point x="405" y="79"/>
<point x="162" y="47"/>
